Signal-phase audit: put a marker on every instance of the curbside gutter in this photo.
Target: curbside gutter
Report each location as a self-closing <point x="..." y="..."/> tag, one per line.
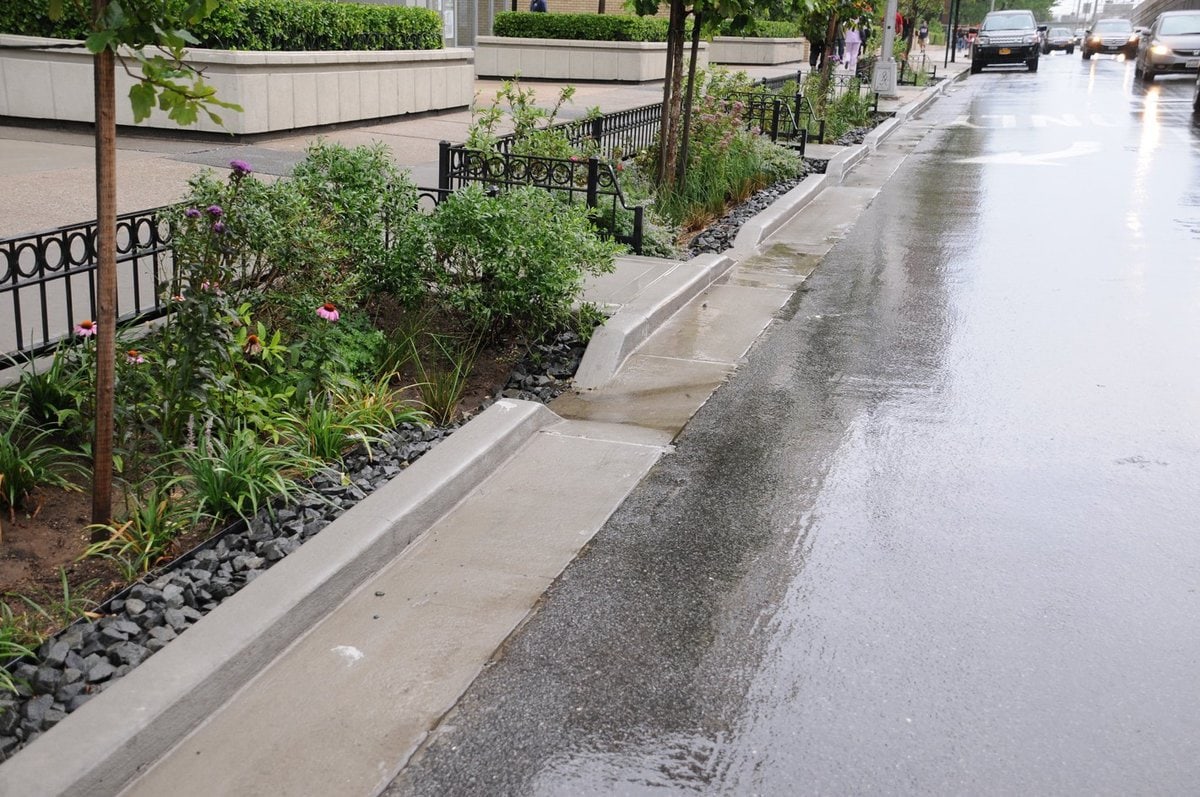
<point x="612" y="343"/>
<point x="763" y="225"/>
<point x="103" y="745"/>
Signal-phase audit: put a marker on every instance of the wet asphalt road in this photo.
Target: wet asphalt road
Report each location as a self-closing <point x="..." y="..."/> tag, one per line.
<point x="939" y="534"/>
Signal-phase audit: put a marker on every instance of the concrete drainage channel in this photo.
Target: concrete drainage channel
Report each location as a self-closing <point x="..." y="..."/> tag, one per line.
<point x="111" y="738"/>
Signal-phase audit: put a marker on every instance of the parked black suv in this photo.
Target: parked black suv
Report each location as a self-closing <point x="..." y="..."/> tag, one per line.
<point x="1007" y="37"/>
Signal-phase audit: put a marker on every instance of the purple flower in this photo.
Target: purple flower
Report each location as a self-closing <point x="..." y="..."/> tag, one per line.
<point x="86" y="328"/>
<point x="192" y="213"/>
<point x="215" y="210"/>
<point x="240" y="168"/>
<point x="218" y="227"/>
<point x="328" y="311"/>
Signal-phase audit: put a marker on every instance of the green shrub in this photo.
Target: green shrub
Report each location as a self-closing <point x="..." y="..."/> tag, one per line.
<point x="263" y="25"/>
<point x="762" y="29"/>
<point x="516" y="260"/>
<point x="587" y="27"/>
<point x="369" y="205"/>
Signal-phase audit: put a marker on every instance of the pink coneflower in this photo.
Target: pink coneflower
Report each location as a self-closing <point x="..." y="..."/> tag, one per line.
<point x="328" y="311"/>
<point x="177" y="297"/>
<point x="214" y="287"/>
<point x="252" y="346"/>
<point x="86" y="328"/>
<point x="134" y="357"/>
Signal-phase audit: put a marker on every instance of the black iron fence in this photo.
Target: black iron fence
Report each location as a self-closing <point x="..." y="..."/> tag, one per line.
<point x="48" y="279"/>
<point x="585" y="180"/>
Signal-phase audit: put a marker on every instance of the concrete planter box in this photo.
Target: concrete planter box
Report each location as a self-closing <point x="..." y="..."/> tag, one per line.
<point x="741" y="50"/>
<point x="571" y="59"/>
<point x="277" y="90"/>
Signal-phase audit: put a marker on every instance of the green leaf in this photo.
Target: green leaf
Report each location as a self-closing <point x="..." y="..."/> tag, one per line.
<point x="141" y="97"/>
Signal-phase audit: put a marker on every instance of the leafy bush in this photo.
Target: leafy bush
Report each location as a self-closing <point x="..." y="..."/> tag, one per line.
<point x="762" y="29"/>
<point x="587" y="27"/>
<point x="262" y="25"/>
<point x="516" y="260"/>
<point x="368" y="204"/>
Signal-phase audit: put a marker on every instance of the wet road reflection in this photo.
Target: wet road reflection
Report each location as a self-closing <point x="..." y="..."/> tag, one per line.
<point x="939" y="535"/>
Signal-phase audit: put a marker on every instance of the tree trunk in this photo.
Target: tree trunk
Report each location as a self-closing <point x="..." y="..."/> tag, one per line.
<point x="104" y="78"/>
<point x="664" y="127"/>
<point x="827" y="63"/>
<point x="681" y="164"/>
<point x="671" y="141"/>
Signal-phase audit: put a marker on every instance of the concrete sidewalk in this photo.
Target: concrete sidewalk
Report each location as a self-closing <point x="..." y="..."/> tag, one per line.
<point x="367" y="635"/>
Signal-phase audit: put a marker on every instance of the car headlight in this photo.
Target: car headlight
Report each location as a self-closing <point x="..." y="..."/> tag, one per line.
<point x="1096" y="40"/>
<point x="981" y="39"/>
<point x="1134" y="37"/>
<point x="1160" y="49"/>
<point x="1029" y="39"/>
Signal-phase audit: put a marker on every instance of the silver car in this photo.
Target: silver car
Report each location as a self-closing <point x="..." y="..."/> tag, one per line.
<point x="1170" y="46"/>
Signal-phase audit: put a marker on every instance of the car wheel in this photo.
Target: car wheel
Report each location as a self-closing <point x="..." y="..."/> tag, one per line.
<point x="1196" y="98"/>
<point x="1070" y="51"/>
<point x="1032" y="64"/>
<point x="1147" y="75"/>
<point x="976" y="67"/>
<point x="1086" y="54"/>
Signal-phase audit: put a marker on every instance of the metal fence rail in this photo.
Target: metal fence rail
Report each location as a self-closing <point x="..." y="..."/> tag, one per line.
<point x="47" y="279"/>
<point x="587" y="180"/>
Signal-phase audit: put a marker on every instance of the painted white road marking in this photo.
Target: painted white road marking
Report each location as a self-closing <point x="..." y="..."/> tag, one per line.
<point x="1042" y="159"/>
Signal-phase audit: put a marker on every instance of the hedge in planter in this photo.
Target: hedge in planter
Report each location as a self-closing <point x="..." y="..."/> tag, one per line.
<point x="585" y="27"/>
<point x="763" y="29"/>
<point x="285" y="25"/>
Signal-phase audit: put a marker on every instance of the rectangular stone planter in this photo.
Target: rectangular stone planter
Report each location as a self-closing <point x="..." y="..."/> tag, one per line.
<point x="741" y="50"/>
<point x="571" y="59"/>
<point x="277" y="90"/>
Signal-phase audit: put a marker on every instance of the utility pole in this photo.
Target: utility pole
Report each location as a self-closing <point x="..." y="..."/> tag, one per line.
<point x="883" y="79"/>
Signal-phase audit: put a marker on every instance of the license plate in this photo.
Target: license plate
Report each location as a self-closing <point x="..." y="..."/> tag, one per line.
<point x="1192" y="63"/>
<point x="1005" y="51"/>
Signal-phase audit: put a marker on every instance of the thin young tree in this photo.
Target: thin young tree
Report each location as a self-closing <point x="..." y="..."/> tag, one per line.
<point x="148" y="39"/>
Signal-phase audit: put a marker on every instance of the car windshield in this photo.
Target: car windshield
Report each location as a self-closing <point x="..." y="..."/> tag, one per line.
<point x="1008" y="22"/>
<point x="1060" y="32"/>
<point x="1182" y="25"/>
<point x="1113" y="26"/>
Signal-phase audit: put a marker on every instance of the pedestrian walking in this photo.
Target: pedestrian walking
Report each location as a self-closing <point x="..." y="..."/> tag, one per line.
<point x="922" y="35"/>
<point x="853" y="45"/>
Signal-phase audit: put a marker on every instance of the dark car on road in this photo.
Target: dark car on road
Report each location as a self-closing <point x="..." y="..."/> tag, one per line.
<point x="1058" y="39"/>
<point x="1170" y="46"/>
<point x="1007" y="37"/>
<point x="1111" y="36"/>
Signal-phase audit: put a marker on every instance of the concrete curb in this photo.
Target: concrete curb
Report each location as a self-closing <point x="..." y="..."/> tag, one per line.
<point x="876" y="136"/>
<point x="612" y="344"/>
<point x="763" y="225"/>
<point x="846" y="160"/>
<point x="99" y="748"/>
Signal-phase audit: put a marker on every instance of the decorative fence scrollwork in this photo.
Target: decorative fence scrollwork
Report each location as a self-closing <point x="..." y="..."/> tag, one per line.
<point x="48" y="279"/>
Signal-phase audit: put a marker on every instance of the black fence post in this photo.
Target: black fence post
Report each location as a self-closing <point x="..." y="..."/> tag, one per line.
<point x="776" y="106"/>
<point x="443" y="170"/>
<point x="636" y="243"/>
<point x="593" y="181"/>
<point x="597" y="130"/>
